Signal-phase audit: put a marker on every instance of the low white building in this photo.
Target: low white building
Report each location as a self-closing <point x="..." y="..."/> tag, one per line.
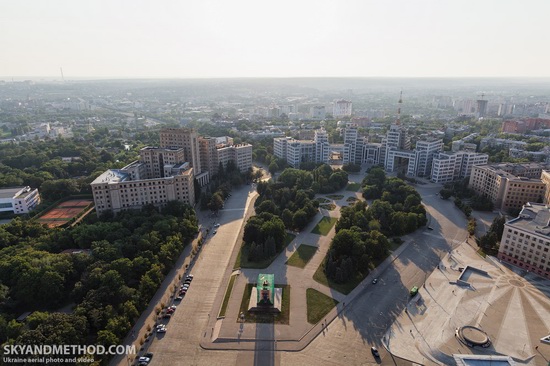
<point x="20" y="200"/>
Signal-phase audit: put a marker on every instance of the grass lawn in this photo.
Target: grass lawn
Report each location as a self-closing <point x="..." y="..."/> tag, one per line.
<point x="324" y="226"/>
<point x="242" y="257"/>
<point x="318" y="305"/>
<point x="227" y="295"/>
<point x="344" y="288"/>
<point x="353" y="187"/>
<point x="281" y="318"/>
<point x="301" y="256"/>
<point x="322" y="200"/>
<point x="352" y="199"/>
<point x="335" y="197"/>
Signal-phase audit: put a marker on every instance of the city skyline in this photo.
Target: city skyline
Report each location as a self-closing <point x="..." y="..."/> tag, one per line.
<point x="210" y="39"/>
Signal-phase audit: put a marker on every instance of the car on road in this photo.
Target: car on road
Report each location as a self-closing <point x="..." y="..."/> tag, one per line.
<point x="374" y="352"/>
<point x="178" y="298"/>
<point x="375" y="281"/>
<point x="217" y="225"/>
<point x="414" y="291"/>
<point x="430" y="228"/>
<point x="145" y="359"/>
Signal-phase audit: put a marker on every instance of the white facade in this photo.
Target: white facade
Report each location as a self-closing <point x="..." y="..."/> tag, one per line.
<point x="322" y="146"/>
<point x="317" y="112"/>
<point x="299" y="151"/>
<point x="450" y="166"/>
<point x="20" y="200"/>
<point x="280" y="146"/>
<point x="425" y="151"/>
<point x="342" y="108"/>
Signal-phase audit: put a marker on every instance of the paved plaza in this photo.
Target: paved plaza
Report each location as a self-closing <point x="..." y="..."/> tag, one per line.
<point x="513" y="309"/>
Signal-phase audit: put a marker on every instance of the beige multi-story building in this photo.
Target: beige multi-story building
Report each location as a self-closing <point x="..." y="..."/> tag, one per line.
<point x="241" y="154"/>
<point x="526" y="240"/>
<point x="186" y="139"/>
<point x="216" y="150"/>
<point x="208" y="154"/>
<point x="509" y="186"/>
<point x="160" y="176"/>
<point x="545" y="178"/>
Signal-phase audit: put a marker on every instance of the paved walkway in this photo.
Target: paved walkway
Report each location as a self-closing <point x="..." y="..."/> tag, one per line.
<point x="228" y="333"/>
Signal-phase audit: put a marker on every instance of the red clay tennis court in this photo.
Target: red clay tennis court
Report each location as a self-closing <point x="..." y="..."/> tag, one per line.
<point x="63" y="212"/>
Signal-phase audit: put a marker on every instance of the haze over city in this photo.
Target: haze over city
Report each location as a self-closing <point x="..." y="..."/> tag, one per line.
<point x="208" y="39"/>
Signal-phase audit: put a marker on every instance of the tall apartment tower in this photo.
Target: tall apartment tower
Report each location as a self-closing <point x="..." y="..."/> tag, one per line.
<point x="481" y="107"/>
<point x="208" y="155"/>
<point x="322" y="146"/>
<point x="186" y="139"/>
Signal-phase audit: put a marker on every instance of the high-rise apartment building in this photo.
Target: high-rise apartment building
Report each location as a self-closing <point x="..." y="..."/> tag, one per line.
<point x="186" y="139"/>
<point x="425" y="151"/>
<point x="208" y="154"/>
<point x="451" y="166"/>
<point x="342" y="108"/>
<point x="526" y="240"/>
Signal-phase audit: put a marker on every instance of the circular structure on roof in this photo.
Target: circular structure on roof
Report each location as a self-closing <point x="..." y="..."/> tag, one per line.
<point x="516" y="283"/>
<point x="473" y="336"/>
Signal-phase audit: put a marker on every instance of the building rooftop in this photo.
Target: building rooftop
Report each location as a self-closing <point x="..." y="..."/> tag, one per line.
<point x="112" y="176"/>
<point x="534" y="217"/>
<point x="10" y="192"/>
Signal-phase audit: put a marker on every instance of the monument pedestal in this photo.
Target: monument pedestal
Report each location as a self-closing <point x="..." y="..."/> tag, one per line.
<point x="275" y="308"/>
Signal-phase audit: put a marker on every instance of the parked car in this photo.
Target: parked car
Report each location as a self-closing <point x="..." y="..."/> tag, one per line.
<point x="178" y="298"/>
<point x="214" y="232"/>
<point x="414" y="291"/>
<point x="375" y="281"/>
<point x="161" y="329"/>
<point x="190" y="276"/>
<point x="374" y="352"/>
<point x="217" y="225"/>
<point x="167" y="316"/>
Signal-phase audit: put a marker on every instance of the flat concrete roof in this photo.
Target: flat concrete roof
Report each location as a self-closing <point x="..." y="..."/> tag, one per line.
<point x="9" y="192"/>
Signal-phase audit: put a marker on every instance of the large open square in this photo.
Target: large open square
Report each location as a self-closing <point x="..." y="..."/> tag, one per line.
<point x="511" y="307"/>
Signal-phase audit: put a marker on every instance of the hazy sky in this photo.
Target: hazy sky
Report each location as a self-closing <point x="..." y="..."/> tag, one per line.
<point x="241" y="38"/>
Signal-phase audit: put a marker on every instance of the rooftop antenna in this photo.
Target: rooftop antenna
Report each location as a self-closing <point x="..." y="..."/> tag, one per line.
<point x="62" y="77"/>
<point x="399" y="102"/>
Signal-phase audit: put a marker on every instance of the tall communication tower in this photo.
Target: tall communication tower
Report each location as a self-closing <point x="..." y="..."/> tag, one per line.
<point x="399" y="102"/>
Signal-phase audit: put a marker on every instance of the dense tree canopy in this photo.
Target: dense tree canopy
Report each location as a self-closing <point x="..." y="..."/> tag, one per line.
<point x="124" y="260"/>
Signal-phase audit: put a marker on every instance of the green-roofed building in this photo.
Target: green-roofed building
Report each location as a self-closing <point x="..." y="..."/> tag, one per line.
<point x="265" y="289"/>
